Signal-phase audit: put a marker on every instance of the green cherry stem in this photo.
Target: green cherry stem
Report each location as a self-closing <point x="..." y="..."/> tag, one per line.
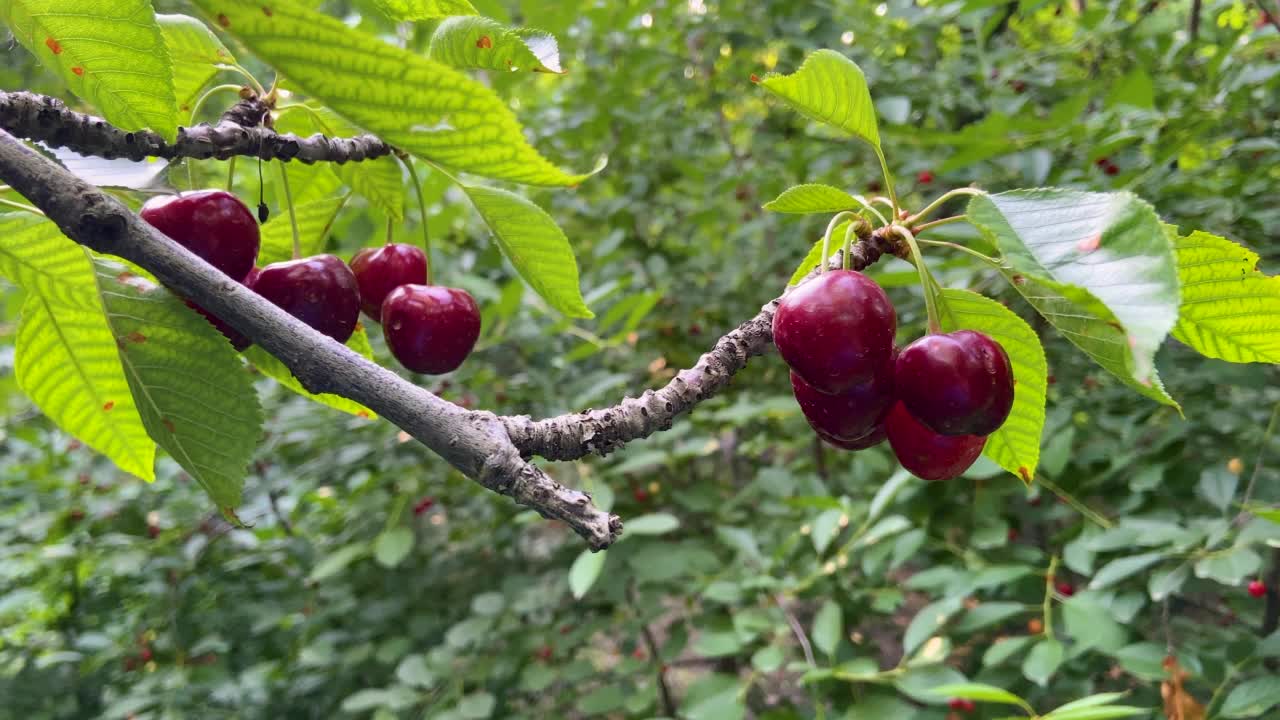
<point x="870" y="208"/>
<point x="293" y="216"/>
<point x="231" y="172"/>
<point x="956" y="246"/>
<point x="888" y="180"/>
<point x="926" y="280"/>
<point x="933" y="206"/>
<point x="422" y="207"/>
<point x="849" y="234"/>
<point x="20" y="206"/>
<point x="1047" y="608"/>
<point x="826" y="238"/>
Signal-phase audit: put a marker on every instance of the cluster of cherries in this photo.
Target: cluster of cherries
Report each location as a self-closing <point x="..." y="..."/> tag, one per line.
<point x="429" y="328"/>
<point x="935" y="400"/>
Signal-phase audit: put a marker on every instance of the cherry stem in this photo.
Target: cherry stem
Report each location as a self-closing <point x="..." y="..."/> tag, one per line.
<point x="888" y="180"/>
<point x="956" y="246"/>
<point x="917" y="229"/>
<point x="933" y="206"/>
<point x="1047" y="608"/>
<point x="422" y="208"/>
<point x="231" y="172"/>
<point x="195" y="109"/>
<point x="848" y="242"/>
<point x="926" y="280"/>
<point x="253" y="82"/>
<point x="20" y="206"/>
<point x="871" y="208"/>
<point x="293" y="216"/>
<point x="826" y="238"/>
<point x="390" y="228"/>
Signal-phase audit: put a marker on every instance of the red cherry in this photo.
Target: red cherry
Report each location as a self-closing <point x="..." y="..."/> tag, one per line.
<point x="1257" y="588"/>
<point x="1102" y="161"/>
<point x="924" y="177"/>
<point x="641" y="495"/>
<point x="378" y="271"/>
<point x="926" y="454"/>
<point x="961" y="704"/>
<point x="850" y="415"/>
<point x="1066" y="589"/>
<point x="873" y="437"/>
<point x="238" y="341"/>
<point x="1018" y="86"/>
<point x="319" y="290"/>
<point x="423" y="505"/>
<point x="960" y="383"/>
<point x="1111" y="169"/>
<point x="430" y="329"/>
<point x="836" y="330"/>
<point x="213" y="224"/>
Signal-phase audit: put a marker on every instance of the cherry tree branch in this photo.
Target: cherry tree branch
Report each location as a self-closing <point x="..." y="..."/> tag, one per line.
<point x="476" y="443"/>
<point x="49" y="120"/>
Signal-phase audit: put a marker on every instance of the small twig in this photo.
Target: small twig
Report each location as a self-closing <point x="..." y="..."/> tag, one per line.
<point x="1257" y="465"/>
<point x="664" y="693"/>
<point x="1194" y="20"/>
<point x="798" y="630"/>
<point x="280" y="516"/>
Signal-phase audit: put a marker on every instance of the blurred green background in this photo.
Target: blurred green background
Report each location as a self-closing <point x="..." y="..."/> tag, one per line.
<point x="774" y="577"/>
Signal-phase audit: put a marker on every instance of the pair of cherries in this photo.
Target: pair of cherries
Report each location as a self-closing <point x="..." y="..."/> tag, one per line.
<point x="429" y="329"/>
<point x="935" y="400"/>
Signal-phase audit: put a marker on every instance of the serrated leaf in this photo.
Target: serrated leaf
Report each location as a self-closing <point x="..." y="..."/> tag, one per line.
<point x="812" y="198"/>
<point x="1016" y="445"/>
<point x="979" y="691"/>
<point x="831" y="89"/>
<point x="1098" y="266"/>
<point x="192" y="392"/>
<point x="393" y="546"/>
<point x="585" y="571"/>
<point x="195" y="53"/>
<point x="828" y="625"/>
<point x="1230" y="310"/>
<point x="535" y="245"/>
<point x="36" y="256"/>
<point x="268" y="365"/>
<point x="66" y="362"/>
<point x="108" y="52"/>
<point x="424" y="9"/>
<point x="472" y="41"/>
<point x="315" y="220"/>
<point x="414" y="103"/>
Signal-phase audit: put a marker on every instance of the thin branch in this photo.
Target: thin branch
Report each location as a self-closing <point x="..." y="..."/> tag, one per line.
<point x="49" y="120"/>
<point x="1194" y="20"/>
<point x="476" y="443"/>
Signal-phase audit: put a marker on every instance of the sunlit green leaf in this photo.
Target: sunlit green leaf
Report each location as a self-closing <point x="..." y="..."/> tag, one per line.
<point x="812" y="198"/>
<point x="831" y="89"/>
<point x="1229" y="311"/>
<point x="424" y="9"/>
<point x="196" y="54"/>
<point x="472" y="41"/>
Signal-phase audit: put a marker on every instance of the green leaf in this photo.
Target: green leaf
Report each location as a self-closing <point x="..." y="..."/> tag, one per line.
<point x="1098" y="713"/>
<point x="812" y="198"/>
<point x="1229" y="311"/>
<point x="37" y="257"/>
<point x="393" y="546"/>
<point x="1122" y="568"/>
<point x="416" y="104"/>
<point x="471" y="41"/>
<point x="652" y="524"/>
<point x="1090" y="625"/>
<point x="1229" y="567"/>
<point x="1005" y="648"/>
<point x="1252" y="698"/>
<point x="268" y="365"/>
<point x="315" y="220"/>
<point x="988" y="614"/>
<point x="1043" y="661"/>
<point x="1090" y="701"/>
<point x="196" y="54"/>
<point x="1016" y="445"/>
<point x="928" y="621"/>
<point x="1134" y="89"/>
<point x="108" y="52"/>
<point x="1098" y="266"/>
<point x="66" y="362"/>
<point x="585" y="571"/>
<point x="828" y="625"/>
<point x="535" y="245"/>
<point x="814" y="258"/>
<point x="337" y="561"/>
<point x="192" y="392"/>
<point x="831" y="89"/>
<point x="979" y="691"/>
<point x="424" y="9"/>
<point x="1163" y="584"/>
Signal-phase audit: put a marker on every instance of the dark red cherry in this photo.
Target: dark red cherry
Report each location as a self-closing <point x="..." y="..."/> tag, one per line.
<point x="238" y="341"/>
<point x="213" y="224"/>
<point x="926" y="454"/>
<point x="849" y="415"/>
<point x="873" y="437"/>
<point x="430" y="329"/>
<point x="380" y="270"/>
<point x="319" y="290"/>
<point x="960" y="383"/>
<point x="836" y="330"/>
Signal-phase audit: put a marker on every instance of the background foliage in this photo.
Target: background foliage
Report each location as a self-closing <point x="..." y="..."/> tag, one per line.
<point x="374" y="581"/>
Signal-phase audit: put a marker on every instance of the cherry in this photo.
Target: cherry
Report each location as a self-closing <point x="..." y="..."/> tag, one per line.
<point x="641" y="495"/>
<point x="849" y="415"/>
<point x="873" y="437"/>
<point x="430" y="329"/>
<point x="924" y="177"/>
<point x="926" y="454"/>
<point x="836" y="331"/>
<point x="423" y="505"/>
<point x="238" y="341"/>
<point x="956" y="384"/>
<point x="378" y="271"/>
<point x="1257" y="588"/>
<point x="1111" y="169"/>
<point x="213" y="224"/>
<point x="319" y="290"/>
<point x="962" y="704"/>
<point x="1066" y="589"/>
